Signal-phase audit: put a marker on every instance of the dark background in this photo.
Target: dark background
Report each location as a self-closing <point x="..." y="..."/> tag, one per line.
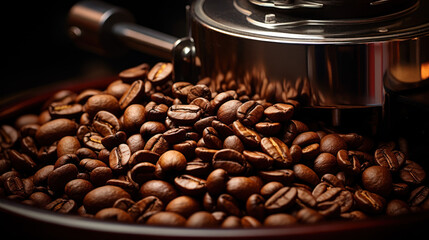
<point x="37" y="51"/>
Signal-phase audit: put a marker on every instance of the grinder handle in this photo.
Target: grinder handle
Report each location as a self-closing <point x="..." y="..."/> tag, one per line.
<point x="109" y="30"/>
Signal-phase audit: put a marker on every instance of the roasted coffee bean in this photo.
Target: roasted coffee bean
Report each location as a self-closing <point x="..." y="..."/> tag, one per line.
<point x="280" y="220"/>
<point x="279" y="112"/>
<point x="270" y="188"/>
<point x="198" y="168"/>
<point x="100" y="175"/>
<point x="283" y="199"/>
<point x="8" y="136"/>
<point x="67" y="158"/>
<point x="113" y="214"/>
<point x="204" y="104"/>
<point x="157" y="144"/>
<point x="349" y="164"/>
<point x="119" y="158"/>
<point x="308" y="215"/>
<point x="387" y="159"/>
<point x="92" y="140"/>
<point x="170" y="164"/>
<point x="268" y="128"/>
<point x="128" y="185"/>
<point x="116" y="88"/>
<point x="190" y="185"/>
<point x="255" y="206"/>
<point x="325" y="163"/>
<point x="67" y="145"/>
<point x="247" y="135"/>
<point x="419" y="198"/>
<point x="397" y="207"/>
<point x="233" y="142"/>
<point x="145" y="208"/>
<point x="155" y="112"/>
<point x="333" y="195"/>
<point x="62" y="110"/>
<point x="250" y="112"/>
<point x="242" y="187"/>
<point x="181" y="89"/>
<point x="285" y="176"/>
<point x="111" y="141"/>
<point x="21" y="161"/>
<point x="106" y="123"/>
<point x="160" y="73"/>
<point x="102" y="102"/>
<point x="259" y="160"/>
<point x="134" y="94"/>
<point x="278" y="150"/>
<point x="160" y="189"/>
<point x="167" y="219"/>
<point x="174" y="135"/>
<point x="76" y="189"/>
<point x="377" y="179"/>
<point x="201" y="219"/>
<point x="54" y="130"/>
<point x="228" y="204"/>
<point x="211" y="138"/>
<point x="412" y="173"/>
<point x="60" y="176"/>
<point x="151" y="128"/>
<point x="184" y="114"/>
<point x="134" y="73"/>
<point x="223" y="129"/>
<point x="134" y="117"/>
<point x="15" y="186"/>
<point x="203" y="123"/>
<point x="199" y="91"/>
<point x="103" y="197"/>
<point x="305" y="174"/>
<point x="143" y="156"/>
<point x="369" y="202"/>
<point x="305" y="198"/>
<point x="227" y="112"/>
<point x="230" y="160"/>
<point x="142" y="172"/>
<point x="183" y="205"/>
<point x="135" y="142"/>
<point x="62" y="205"/>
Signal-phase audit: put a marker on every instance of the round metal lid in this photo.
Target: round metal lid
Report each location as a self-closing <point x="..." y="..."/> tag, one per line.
<point x="247" y="19"/>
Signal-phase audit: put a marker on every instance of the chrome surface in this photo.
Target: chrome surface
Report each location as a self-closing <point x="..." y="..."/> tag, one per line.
<point x="332" y="63"/>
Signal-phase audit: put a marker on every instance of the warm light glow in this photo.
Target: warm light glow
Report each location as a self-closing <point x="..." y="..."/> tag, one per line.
<point x="424" y="70"/>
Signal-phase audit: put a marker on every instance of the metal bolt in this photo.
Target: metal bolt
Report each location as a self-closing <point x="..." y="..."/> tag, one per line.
<point x="270" y="18"/>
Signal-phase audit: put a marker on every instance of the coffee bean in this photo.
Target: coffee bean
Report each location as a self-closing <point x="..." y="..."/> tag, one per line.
<point x="170" y="164"/>
<point x="77" y="189"/>
<point x="211" y="138"/>
<point x="157" y="144"/>
<point x="332" y="143"/>
<point x="160" y="73"/>
<point x="250" y="112"/>
<point x="160" y="189"/>
<point x="246" y="135"/>
<point x="228" y="204"/>
<point x="113" y="214"/>
<point x="134" y="94"/>
<point x="103" y="197"/>
<point x="305" y="174"/>
<point x="62" y="205"/>
<point x="279" y="112"/>
<point x="397" y="207"/>
<point x="268" y="128"/>
<point x="134" y="73"/>
<point x="184" y="114"/>
<point x="183" y="205"/>
<point x="280" y="220"/>
<point x="54" y="130"/>
<point x="227" y="112"/>
<point x="190" y="185"/>
<point x="241" y="187"/>
<point x="419" y="198"/>
<point x="369" y="202"/>
<point x="348" y="164"/>
<point x="202" y="219"/>
<point x="102" y="102"/>
<point x="377" y="179"/>
<point x="119" y="158"/>
<point x="387" y="159"/>
<point x="166" y="219"/>
<point x="283" y="199"/>
<point x="21" y="161"/>
<point x="285" y="176"/>
<point x="199" y="91"/>
<point x="259" y="160"/>
<point x="412" y="173"/>
<point x="60" y="176"/>
<point x="278" y="150"/>
<point x="230" y="160"/>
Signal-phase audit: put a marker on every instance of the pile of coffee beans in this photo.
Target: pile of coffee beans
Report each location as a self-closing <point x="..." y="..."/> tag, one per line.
<point x="149" y="150"/>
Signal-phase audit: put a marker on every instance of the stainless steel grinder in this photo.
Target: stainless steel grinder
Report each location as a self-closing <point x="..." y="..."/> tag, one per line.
<point x="339" y="55"/>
